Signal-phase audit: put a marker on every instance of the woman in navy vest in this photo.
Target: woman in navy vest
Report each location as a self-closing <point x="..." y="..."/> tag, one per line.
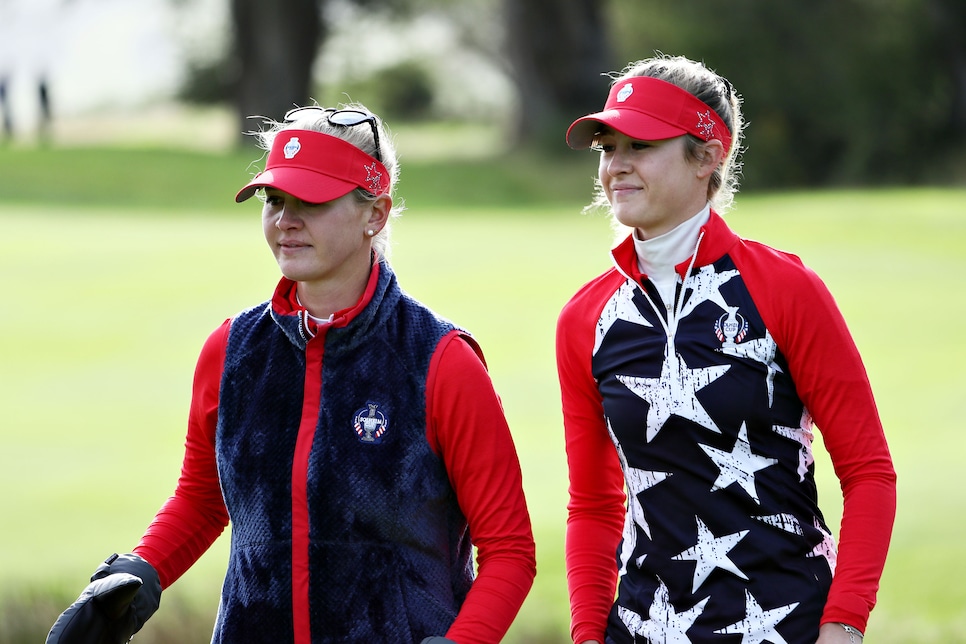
<point x="692" y="374"/>
<point x="350" y="436"/>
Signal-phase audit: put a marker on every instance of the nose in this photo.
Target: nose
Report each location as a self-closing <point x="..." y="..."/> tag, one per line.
<point x="286" y="218"/>
<point x="617" y="163"/>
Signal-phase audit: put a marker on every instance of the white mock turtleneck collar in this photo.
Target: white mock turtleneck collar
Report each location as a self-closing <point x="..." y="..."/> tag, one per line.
<point x="657" y="257"/>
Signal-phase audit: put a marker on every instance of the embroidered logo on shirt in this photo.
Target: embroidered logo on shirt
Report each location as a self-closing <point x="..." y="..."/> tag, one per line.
<point x="370" y="424"/>
<point x="731" y="327"/>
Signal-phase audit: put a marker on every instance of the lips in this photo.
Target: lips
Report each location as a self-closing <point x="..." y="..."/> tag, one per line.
<point x="617" y="187"/>
<point x="623" y="190"/>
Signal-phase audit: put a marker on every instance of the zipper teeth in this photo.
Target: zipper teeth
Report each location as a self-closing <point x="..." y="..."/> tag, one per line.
<point x="304" y="329"/>
<point x="674" y="312"/>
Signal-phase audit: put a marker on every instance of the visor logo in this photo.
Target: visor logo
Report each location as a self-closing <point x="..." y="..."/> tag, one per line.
<point x="374" y="178"/>
<point x="625" y="93"/>
<point x="370" y="424"/>
<point x="292" y="147"/>
<point x="705" y="125"/>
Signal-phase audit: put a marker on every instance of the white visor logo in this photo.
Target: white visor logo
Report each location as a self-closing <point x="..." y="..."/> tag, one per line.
<point x="625" y="93"/>
<point x="292" y="147"/>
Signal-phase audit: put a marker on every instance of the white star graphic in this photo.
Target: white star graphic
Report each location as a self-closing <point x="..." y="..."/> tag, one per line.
<point x="826" y="548"/>
<point x="711" y="552"/>
<point x="786" y="522"/>
<point x="759" y="625"/>
<point x="762" y="350"/>
<point x="674" y="392"/>
<point x="705" y="285"/>
<point x="619" y="307"/>
<point x="664" y="624"/>
<point x="739" y="465"/>
<point x="637" y="481"/>
<point x="803" y="436"/>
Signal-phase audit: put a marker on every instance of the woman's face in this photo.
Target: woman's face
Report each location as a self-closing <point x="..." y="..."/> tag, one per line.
<point x="316" y="243"/>
<point x="651" y="185"/>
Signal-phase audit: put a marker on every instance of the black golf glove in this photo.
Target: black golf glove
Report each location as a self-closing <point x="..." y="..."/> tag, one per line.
<point x="124" y="592"/>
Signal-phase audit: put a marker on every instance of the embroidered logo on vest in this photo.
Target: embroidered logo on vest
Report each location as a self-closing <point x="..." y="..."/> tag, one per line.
<point x="731" y="327"/>
<point x="370" y="424"/>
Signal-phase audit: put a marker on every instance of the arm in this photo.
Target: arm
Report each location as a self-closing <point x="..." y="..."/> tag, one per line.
<point x="126" y="589"/>
<point x="190" y="521"/>
<point x="837" y="633"/>
<point x="467" y="428"/>
<point x="596" y="507"/>
<point x="832" y="382"/>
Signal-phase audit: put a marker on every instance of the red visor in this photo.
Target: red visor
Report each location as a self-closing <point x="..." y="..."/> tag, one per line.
<point x="316" y="168"/>
<point x="650" y="109"/>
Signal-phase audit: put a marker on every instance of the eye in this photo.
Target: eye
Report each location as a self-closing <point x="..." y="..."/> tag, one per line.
<point x="603" y="144"/>
<point x="640" y="145"/>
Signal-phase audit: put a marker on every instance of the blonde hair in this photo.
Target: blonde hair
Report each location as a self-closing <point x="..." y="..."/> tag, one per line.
<point x="719" y="94"/>
<point x="361" y="136"/>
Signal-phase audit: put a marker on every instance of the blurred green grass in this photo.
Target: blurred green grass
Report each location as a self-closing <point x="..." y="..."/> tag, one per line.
<point x="116" y="264"/>
<point x="186" y="181"/>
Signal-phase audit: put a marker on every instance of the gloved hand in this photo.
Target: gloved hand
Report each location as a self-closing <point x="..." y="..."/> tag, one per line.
<point x="124" y="592"/>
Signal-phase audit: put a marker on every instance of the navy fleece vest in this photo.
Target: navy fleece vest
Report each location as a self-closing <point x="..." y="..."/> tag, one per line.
<point x="389" y="552"/>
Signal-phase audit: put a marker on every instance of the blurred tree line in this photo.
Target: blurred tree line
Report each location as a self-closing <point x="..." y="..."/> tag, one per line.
<point x="836" y="92"/>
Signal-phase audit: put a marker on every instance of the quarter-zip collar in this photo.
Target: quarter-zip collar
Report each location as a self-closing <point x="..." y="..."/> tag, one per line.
<point x="716" y="240"/>
<point x="713" y="242"/>
<point x="658" y="257"/>
<point x="300" y="327"/>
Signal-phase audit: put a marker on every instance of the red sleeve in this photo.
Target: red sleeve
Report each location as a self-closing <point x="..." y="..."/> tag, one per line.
<point x="190" y="521"/>
<point x="832" y="382"/>
<point x="596" y="506"/>
<point x="467" y="428"/>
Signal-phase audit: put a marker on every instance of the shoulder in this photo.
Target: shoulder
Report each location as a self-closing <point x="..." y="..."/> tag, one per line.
<point x="790" y="296"/>
<point x="769" y="268"/>
<point x="587" y="303"/>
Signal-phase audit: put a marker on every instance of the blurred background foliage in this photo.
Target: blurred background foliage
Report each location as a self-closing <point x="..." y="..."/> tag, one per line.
<point x="836" y="92"/>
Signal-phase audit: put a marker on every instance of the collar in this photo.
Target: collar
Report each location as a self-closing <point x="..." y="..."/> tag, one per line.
<point x="718" y="240"/>
<point x="285" y="302"/>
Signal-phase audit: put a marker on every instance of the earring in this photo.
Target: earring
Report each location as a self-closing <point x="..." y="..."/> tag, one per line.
<point x="370" y="232"/>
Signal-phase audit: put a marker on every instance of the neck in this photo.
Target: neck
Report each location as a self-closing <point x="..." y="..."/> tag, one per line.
<point x="658" y="257"/>
<point x="323" y="298"/>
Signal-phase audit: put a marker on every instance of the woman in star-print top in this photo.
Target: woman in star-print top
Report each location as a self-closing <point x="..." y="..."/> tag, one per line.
<point x="692" y="373"/>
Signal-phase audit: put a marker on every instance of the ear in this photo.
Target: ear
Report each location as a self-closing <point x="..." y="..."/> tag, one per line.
<point x="709" y="158"/>
<point x="379" y="212"/>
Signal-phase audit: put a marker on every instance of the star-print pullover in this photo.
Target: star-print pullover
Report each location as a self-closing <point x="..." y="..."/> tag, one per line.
<point x="689" y="441"/>
<point x="357" y="461"/>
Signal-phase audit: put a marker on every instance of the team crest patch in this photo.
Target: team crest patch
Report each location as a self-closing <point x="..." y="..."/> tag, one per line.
<point x="292" y="147"/>
<point x="370" y="424"/>
<point x="731" y="328"/>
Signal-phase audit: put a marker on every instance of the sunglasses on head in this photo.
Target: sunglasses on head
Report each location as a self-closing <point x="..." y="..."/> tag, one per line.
<point x="342" y="118"/>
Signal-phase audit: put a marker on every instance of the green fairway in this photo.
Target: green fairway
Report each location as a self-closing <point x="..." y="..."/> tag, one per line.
<point x="104" y="311"/>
